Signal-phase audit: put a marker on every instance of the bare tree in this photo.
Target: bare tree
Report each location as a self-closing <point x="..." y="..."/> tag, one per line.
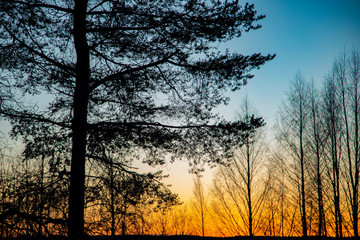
<point x="317" y="138"/>
<point x="276" y="203"/>
<point x="199" y="202"/>
<point x="346" y="71"/>
<point x="354" y="166"/>
<point x="240" y="185"/>
<point x="181" y="219"/>
<point x="291" y="134"/>
<point x="250" y="159"/>
<point x="332" y="111"/>
<point x="122" y="197"/>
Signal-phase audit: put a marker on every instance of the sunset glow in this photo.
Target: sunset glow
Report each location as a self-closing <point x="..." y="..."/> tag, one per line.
<point x="179" y="118"/>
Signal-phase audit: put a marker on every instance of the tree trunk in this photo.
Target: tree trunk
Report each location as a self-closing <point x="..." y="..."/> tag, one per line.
<point x="249" y="187"/>
<point x="81" y="95"/>
<point x="355" y="201"/>
<point x="302" y="166"/>
<point x="41" y="206"/>
<point x="318" y="141"/>
<point x="112" y="199"/>
<point x="336" y="182"/>
<point x="303" y="200"/>
<point x="355" y="71"/>
<point x="123" y="225"/>
<point x="341" y="71"/>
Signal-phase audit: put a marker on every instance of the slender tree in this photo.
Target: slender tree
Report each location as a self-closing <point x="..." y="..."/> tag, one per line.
<point x="346" y="74"/>
<point x="32" y="200"/>
<point x="291" y="129"/>
<point x="332" y="110"/>
<point x="181" y="217"/>
<point x="279" y="194"/>
<point x="317" y="138"/>
<point x="250" y="158"/>
<point x="354" y="72"/>
<point x="239" y="188"/>
<point x="199" y="202"/>
<point x="106" y="64"/>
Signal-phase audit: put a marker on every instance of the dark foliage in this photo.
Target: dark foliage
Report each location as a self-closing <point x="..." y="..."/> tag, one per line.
<point x="136" y="77"/>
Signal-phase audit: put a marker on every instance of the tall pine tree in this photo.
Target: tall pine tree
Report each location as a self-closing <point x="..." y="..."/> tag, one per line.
<point x="141" y="75"/>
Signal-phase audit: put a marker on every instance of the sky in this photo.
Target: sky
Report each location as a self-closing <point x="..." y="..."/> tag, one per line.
<point x="306" y="36"/>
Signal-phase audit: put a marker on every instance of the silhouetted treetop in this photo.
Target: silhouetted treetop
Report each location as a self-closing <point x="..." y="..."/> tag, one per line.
<point x="149" y="60"/>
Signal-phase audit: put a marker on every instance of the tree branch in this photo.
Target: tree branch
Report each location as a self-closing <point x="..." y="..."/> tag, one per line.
<point x="122" y="166"/>
<point x="109" y="29"/>
<point x="152" y="124"/>
<point x="129" y="71"/>
<point x="40" y="54"/>
<point x="44" y="5"/>
<point x="38" y="118"/>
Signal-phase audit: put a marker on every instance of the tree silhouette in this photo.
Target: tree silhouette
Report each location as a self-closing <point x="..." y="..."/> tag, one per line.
<point x="332" y="111"/>
<point x="293" y="122"/>
<point x="240" y="188"/>
<point x="141" y="75"/>
<point x="128" y="192"/>
<point x="346" y="73"/>
<point x="32" y="200"/>
<point x="199" y="203"/>
<point x="317" y="138"/>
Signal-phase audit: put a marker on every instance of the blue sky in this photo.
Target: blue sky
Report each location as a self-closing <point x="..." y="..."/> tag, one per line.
<point x="306" y="35"/>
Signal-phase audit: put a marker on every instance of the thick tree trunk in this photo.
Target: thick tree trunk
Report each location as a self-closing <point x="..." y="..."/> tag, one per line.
<point x="81" y="95"/>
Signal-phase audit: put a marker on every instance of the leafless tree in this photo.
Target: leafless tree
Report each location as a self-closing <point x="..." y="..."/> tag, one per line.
<point x="293" y="121"/>
<point x="346" y="73"/>
<point x="200" y="202"/>
<point x="354" y="165"/>
<point x="240" y="187"/>
<point x="332" y="117"/>
<point x="316" y="138"/>
<point x="181" y="219"/>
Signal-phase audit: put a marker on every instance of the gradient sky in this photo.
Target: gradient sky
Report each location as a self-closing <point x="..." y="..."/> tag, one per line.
<point x="306" y="36"/>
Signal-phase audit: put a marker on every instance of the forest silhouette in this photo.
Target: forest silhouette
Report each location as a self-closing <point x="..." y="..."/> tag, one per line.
<point x="122" y="83"/>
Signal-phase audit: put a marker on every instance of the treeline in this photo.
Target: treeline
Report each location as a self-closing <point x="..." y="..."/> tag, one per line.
<point x="306" y="181"/>
<point x="318" y="131"/>
<point x="303" y="182"/>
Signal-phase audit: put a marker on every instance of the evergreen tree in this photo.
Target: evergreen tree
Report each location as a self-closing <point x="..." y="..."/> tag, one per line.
<point x="141" y="75"/>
